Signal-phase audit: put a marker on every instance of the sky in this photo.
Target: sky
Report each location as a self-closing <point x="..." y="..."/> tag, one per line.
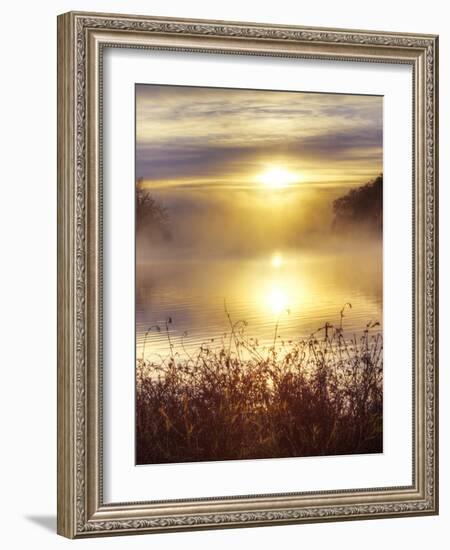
<point x="189" y="135"/>
<point x="268" y="162"/>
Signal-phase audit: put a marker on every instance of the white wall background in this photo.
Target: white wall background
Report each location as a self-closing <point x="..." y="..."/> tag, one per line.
<point x="28" y="276"/>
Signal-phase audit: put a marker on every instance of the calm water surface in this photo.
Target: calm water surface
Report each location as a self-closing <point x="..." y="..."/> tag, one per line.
<point x="302" y="292"/>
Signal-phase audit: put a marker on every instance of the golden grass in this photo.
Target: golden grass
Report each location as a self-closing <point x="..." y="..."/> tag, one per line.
<point x="238" y="400"/>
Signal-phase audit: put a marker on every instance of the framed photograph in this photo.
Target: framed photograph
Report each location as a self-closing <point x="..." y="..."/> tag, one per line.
<point x="247" y="288"/>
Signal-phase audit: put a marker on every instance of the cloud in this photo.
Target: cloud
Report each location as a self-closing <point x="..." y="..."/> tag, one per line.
<point x="189" y="133"/>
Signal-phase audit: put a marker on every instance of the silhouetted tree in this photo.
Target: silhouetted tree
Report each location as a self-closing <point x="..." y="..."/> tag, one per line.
<point x="151" y="217"/>
<point x="360" y="209"/>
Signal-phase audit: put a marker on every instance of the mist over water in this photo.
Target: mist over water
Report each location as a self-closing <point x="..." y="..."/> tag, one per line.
<point x="299" y="291"/>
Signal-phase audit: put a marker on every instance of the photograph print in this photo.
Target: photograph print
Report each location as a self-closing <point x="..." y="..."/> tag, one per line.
<point x="259" y="275"/>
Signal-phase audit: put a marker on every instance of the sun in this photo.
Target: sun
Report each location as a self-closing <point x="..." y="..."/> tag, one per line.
<point x="277" y="178"/>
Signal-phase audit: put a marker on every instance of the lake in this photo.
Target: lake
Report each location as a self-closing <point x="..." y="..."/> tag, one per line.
<point x="300" y="292"/>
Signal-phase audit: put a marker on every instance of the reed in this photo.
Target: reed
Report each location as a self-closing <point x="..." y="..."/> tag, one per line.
<point x="236" y="399"/>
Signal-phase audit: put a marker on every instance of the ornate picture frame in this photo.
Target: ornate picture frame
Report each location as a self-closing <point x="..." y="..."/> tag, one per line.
<point x="82" y="39"/>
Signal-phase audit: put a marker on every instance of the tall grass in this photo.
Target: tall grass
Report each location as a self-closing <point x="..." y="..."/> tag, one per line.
<point x="239" y="400"/>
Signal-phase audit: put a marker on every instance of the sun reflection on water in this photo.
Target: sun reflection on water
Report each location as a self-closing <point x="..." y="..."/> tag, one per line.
<point x="279" y="292"/>
<point x="277" y="260"/>
<point x="299" y="291"/>
<point x="277" y="300"/>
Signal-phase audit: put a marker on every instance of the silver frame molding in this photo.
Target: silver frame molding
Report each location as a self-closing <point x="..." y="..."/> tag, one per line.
<point x="81" y="39"/>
